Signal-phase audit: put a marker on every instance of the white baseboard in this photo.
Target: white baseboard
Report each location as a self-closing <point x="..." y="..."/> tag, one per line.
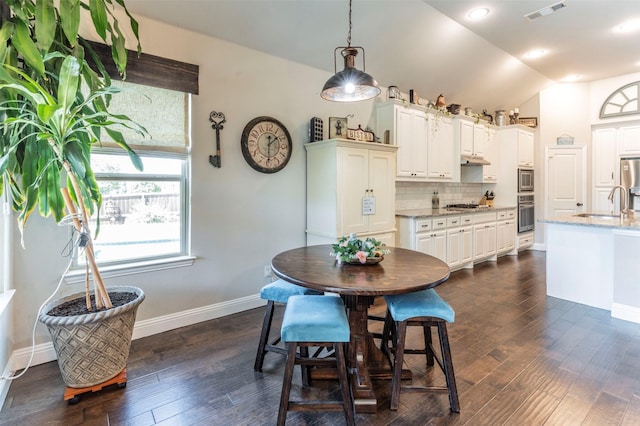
<point x="45" y="353"/>
<point x="625" y="312"/>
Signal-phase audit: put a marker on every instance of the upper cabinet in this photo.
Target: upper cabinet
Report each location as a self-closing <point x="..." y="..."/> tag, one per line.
<point x="525" y="148"/>
<point x="408" y="130"/>
<point x="442" y="164"/>
<point x="630" y="140"/>
<point x="426" y="152"/>
<point x="472" y="137"/>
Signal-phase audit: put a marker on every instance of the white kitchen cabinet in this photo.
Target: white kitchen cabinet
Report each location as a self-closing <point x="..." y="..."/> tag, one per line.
<point x="487" y="173"/>
<point x="472" y="137"/>
<point x="525" y="148"/>
<point x="605" y="162"/>
<point x="506" y="232"/>
<point x="604" y="157"/>
<point x="407" y="128"/>
<point x="433" y="243"/>
<point x="484" y="235"/>
<point x="442" y="161"/>
<point x="492" y="155"/>
<point x="629" y="140"/>
<point x="460" y="243"/>
<point x="340" y="175"/>
<point x="426" y="235"/>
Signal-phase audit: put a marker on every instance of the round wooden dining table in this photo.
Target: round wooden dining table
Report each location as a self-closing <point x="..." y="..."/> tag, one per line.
<point x="401" y="271"/>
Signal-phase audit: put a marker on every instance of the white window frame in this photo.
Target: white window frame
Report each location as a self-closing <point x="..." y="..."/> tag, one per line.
<point x="152" y="263"/>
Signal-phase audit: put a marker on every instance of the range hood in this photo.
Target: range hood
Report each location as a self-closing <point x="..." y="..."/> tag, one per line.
<point x="468" y="160"/>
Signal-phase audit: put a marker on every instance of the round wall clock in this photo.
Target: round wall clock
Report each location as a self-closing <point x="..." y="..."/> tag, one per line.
<point x="266" y="144"/>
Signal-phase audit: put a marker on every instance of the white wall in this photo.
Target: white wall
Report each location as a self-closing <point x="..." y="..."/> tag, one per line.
<point x="239" y="218"/>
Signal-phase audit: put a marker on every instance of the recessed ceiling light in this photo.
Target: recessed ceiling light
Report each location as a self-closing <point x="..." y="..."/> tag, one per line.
<point x="628" y="26"/>
<point x="571" y="78"/>
<point x="478" y="14"/>
<point x="535" y="53"/>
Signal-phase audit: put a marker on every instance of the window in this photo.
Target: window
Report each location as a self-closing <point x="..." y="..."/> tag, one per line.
<point x="144" y="215"/>
<point x="623" y="101"/>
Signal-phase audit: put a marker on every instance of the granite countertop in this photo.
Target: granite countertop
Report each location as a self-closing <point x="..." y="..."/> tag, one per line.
<point x="608" y="221"/>
<point x="427" y="212"/>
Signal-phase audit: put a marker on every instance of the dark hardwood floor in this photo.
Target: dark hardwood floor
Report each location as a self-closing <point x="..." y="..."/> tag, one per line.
<point x="520" y="358"/>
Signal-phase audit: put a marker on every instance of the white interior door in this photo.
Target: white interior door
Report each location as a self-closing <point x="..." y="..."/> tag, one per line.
<point x="565" y="188"/>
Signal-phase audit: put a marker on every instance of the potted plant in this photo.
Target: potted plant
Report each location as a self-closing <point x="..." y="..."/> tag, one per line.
<point x="54" y="108"/>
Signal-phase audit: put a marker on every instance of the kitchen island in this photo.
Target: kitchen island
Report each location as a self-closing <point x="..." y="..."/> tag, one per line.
<point x="594" y="260"/>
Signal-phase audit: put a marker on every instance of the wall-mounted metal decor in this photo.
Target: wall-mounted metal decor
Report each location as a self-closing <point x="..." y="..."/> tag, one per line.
<point x="217" y="120"/>
<point x="624" y="101"/>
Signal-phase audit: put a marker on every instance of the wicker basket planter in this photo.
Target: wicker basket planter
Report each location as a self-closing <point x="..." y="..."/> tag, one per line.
<point x="94" y="347"/>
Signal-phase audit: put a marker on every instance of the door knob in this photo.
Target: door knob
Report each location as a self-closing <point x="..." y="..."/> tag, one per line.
<point x="579" y="204"/>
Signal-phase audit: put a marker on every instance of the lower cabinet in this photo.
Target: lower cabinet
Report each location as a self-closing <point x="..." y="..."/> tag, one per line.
<point x="506" y="232"/>
<point x="460" y="241"/>
<point x="484" y="235"/>
<point x="433" y="243"/>
<point x="460" y="247"/>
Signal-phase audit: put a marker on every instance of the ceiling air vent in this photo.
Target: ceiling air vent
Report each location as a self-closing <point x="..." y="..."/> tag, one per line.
<point x="548" y="10"/>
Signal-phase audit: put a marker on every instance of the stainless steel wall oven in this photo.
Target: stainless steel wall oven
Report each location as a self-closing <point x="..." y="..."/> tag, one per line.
<point x="526" y="213"/>
<point x="525" y="180"/>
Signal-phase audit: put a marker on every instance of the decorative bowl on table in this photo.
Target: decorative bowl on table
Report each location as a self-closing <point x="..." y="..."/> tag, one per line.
<point x="368" y="261"/>
<point x="354" y="251"/>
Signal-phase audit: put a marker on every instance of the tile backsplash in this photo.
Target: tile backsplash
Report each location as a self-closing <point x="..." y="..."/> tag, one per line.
<point x="417" y="195"/>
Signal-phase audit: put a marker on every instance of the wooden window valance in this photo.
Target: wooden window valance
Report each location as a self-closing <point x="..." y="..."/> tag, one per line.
<point x="152" y="70"/>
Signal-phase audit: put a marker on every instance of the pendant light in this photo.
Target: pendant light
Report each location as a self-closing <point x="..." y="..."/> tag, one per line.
<point x="350" y="84"/>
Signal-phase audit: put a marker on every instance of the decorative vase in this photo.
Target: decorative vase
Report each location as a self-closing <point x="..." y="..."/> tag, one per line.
<point x="94" y="347"/>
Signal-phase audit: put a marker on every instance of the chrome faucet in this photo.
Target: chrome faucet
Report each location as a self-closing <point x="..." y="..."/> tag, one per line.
<point x="624" y="193"/>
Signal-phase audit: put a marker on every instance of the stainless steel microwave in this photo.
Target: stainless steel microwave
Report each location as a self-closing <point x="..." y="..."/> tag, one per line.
<point x="525" y="180"/>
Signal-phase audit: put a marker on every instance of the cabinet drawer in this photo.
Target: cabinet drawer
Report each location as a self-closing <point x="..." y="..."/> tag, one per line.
<point x="484" y="217"/>
<point x="466" y="220"/>
<point x="423" y="225"/>
<point x="453" y="221"/>
<point x="439" y="223"/>
<point x="506" y="214"/>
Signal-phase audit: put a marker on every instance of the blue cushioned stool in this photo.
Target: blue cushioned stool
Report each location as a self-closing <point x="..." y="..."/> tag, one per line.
<point x="315" y="321"/>
<point x="276" y="292"/>
<point x="426" y="309"/>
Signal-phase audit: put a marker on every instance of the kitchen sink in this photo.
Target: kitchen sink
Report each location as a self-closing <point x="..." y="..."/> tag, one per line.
<point x="598" y="216"/>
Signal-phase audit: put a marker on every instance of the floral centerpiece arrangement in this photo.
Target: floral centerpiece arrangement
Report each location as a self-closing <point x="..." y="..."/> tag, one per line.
<point x="353" y="250"/>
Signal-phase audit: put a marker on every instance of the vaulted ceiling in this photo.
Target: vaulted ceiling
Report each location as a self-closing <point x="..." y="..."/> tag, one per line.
<point x="428" y="45"/>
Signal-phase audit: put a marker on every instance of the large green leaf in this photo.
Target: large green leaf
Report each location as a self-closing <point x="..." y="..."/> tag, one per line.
<point x="6" y="31"/>
<point x="74" y="155"/>
<point x="68" y="83"/>
<point x="45" y="23"/>
<point x="24" y="43"/>
<point x="70" y="19"/>
<point x="99" y="17"/>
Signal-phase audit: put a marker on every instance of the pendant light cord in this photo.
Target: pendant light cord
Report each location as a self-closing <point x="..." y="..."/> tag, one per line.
<point x="349" y="36"/>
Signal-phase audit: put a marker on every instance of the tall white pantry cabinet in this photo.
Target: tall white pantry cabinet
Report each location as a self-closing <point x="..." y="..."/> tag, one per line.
<point x="350" y="189"/>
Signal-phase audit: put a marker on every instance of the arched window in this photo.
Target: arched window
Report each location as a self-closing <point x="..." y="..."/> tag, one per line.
<point x="624" y="101"/>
